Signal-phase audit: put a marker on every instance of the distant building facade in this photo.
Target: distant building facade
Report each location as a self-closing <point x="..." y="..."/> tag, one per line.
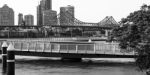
<point x="49" y="17"/>
<point x="20" y="19"/>
<point x="44" y="5"/>
<point x="67" y="15"/>
<point x="39" y="22"/>
<point x="48" y="4"/>
<point x="29" y="20"/>
<point x="6" y="16"/>
<point x="40" y="9"/>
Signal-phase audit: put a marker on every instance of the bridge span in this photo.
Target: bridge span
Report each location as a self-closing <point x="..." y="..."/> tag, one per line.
<point x="71" y="49"/>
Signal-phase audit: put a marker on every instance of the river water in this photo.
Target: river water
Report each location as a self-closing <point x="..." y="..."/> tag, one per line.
<point x="54" y="66"/>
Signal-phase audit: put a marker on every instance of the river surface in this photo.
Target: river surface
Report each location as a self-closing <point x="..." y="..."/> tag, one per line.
<point x="54" y="66"/>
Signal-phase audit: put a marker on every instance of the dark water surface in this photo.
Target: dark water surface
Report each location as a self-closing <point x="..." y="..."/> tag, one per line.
<point x="56" y="67"/>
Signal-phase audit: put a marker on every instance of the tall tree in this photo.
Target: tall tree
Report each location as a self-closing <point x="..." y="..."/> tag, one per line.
<point x="134" y="32"/>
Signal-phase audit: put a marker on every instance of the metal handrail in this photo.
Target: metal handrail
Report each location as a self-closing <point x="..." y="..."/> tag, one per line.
<point x="96" y="48"/>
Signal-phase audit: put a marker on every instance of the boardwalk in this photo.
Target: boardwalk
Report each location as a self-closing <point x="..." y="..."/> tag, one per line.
<point x="70" y="49"/>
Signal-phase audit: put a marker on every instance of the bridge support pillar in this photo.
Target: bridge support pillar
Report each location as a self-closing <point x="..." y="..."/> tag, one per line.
<point x="4" y="57"/>
<point x="71" y="59"/>
<point x="10" y="60"/>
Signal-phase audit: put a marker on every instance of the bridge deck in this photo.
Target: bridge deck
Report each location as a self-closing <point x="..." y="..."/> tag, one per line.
<point x="72" y="55"/>
<point x="71" y="49"/>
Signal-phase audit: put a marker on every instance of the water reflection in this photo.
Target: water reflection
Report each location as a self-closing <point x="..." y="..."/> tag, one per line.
<point x="86" y="67"/>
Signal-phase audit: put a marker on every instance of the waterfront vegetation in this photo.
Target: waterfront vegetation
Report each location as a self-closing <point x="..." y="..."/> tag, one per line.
<point x="135" y="33"/>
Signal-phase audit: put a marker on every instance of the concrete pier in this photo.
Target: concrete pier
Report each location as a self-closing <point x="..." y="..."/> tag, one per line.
<point x="4" y="57"/>
<point x="11" y="60"/>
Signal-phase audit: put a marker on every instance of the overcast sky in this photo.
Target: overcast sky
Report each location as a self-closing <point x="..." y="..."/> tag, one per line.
<point x="85" y="10"/>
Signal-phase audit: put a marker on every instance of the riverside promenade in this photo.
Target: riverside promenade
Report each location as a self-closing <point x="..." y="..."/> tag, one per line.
<point x="69" y="48"/>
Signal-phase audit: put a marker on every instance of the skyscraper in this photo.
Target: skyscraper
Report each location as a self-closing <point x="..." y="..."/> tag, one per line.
<point x="39" y="21"/>
<point x="49" y="17"/>
<point x="6" y="16"/>
<point x="48" y="5"/>
<point x="40" y="9"/>
<point x="29" y="20"/>
<point x="44" y="5"/>
<point x="20" y="19"/>
<point x="67" y="15"/>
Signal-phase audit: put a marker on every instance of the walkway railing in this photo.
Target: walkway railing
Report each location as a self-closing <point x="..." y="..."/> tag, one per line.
<point x="71" y="47"/>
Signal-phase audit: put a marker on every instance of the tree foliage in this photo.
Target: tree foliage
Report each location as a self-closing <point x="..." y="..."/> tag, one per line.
<point x="134" y="32"/>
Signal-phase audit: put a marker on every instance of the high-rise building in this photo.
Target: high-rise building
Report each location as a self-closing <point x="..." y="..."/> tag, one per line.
<point x="29" y="20"/>
<point x="67" y="15"/>
<point x="48" y="5"/>
<point x="6" y="16"/>
<point x="40" y="9"/>
<point x="39" y="21"/>
<point x="49" y="17"/>
<point x="20" y="19"/>
<point x="44" y="5"/>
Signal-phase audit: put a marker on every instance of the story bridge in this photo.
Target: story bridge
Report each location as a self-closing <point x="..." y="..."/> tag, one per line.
<point x="67" y="19"/>
<point x="68" y="23"/>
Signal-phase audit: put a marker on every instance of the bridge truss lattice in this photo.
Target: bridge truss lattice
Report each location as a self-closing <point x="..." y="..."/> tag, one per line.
<point x="69" y="19"/>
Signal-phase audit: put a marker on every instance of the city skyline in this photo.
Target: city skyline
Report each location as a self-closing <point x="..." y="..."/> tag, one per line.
<point x="85" y="10"/>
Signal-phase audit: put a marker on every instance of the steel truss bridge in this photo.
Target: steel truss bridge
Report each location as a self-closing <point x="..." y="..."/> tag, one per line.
<point x="69" y="20"/>
<point x="67" y="24"/>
